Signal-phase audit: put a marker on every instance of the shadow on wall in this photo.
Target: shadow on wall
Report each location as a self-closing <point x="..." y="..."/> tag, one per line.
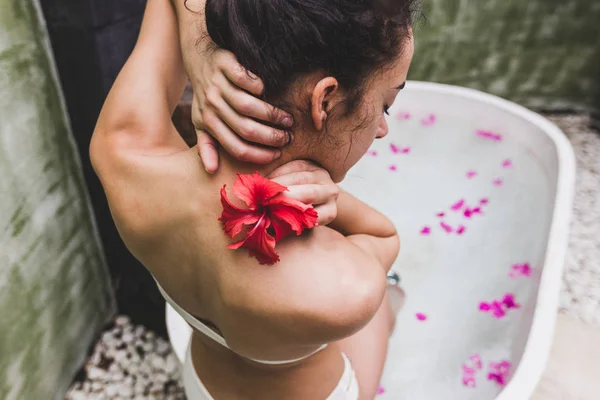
<point x="54" y="287"/>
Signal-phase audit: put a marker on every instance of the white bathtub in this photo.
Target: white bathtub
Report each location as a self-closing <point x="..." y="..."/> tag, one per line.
<point x="528" y="178"/>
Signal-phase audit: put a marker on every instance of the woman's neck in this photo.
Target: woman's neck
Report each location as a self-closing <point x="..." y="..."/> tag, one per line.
<point x="232" y="166"/>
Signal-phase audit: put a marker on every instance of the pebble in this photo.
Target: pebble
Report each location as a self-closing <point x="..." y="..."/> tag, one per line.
<point x="162" y="347"/>
<point x="95" y="373"/>
<point x="172" y="364"/>
<point x="111" y="390"/>
<point x="128" y="337"/>
<point x="148" y="347"/>
<point x="124" y="390"/>
<point x="157" y="362"/>
<point x="139" y="331"/>
<point x="77" y="395"/>
<point x="122" y="320"/>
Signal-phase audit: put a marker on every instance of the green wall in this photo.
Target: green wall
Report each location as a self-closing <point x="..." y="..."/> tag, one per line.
<point x="54" y="287"/>
<point x="539" y="53"/>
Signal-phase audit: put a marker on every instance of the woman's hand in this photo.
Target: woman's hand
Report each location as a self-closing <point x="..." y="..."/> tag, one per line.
<point x="310" y="184"/>
<point x="225" y="110"/>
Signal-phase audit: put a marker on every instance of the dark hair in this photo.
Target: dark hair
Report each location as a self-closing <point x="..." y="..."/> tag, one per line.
<point x="280" y="40"/>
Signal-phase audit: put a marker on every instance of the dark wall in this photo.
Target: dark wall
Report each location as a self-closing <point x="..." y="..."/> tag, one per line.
<point x="91" y="40"/>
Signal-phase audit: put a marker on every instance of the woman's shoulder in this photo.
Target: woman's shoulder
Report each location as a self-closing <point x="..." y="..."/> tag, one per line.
<point x="321" y="291"/>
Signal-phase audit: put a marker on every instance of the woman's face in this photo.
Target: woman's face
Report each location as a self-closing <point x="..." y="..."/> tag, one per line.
<point x="347" y="139"/>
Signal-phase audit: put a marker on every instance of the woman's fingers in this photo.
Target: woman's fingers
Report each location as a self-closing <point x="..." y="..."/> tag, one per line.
<point x="234" y="145"/>
<point x="244" y="103"/>
<point x="326" y="213"/>
<point x="237" y="74"/>
<point x="313" y="193"/>
<point x="247" y="128"/>
<point x="316" y="176"/>
<point x="209" y="154"/>
<point x="250" y="106"/>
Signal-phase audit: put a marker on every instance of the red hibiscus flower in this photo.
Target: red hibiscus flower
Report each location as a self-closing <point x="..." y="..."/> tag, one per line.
<point x="269" y="218"/>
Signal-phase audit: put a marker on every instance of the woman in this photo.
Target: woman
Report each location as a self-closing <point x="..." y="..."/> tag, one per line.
<point x="288" y="330"/>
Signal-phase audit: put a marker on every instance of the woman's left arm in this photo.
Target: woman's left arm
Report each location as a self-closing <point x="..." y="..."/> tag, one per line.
<point x="137" y="113"/>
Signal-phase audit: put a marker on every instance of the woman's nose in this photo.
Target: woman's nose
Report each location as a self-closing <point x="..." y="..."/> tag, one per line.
<point x="383" y="129"/>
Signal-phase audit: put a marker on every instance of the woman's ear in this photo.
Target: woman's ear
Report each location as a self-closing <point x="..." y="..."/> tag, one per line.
<point x="322" y="98"/>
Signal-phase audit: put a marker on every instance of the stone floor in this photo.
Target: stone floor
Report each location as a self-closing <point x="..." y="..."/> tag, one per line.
<point x="129" y="362"/>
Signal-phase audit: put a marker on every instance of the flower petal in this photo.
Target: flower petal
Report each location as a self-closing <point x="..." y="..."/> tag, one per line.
<point x="403" y="115"/>
<point x="476" y="360"/>
<point x="254" y="189"/>
<point x="425" y="231"/>
<point x="260" y="244"/>
<point x="471" y="174"/>
<point x="458" y="205"/>
<point x="430" y="120"/>
<point x="393" y="168"/>
<point x="395" y="149"/>
<point x="234" y="218"/>
<point x="289" y="215"/>
<point x="488" y="135"/>
<point x="446" y="227"/>
<point x="421" y="316"/>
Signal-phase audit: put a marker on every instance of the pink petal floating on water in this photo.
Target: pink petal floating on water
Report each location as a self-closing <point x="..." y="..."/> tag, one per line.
<point x="476" y="210"/>
<point x="395" y="149"/>
<point x="461" y="229"/>
<point x="430" y="120"/>
<point x="446" y="227"/>
<point x="526" y="269"/>
<point x="502" y="367"/>
<point x="468" y="212"/>
<point x="405" y="150"/>
<point x="458" y="205"/>
<point x="381" y="390"/>
<point x="483" y="306"/>
<point x="441" y="214"/>
<point x="509" y="301"/>
<point x="393" y="168"/>
<point x="484" y="201"/>
<point x="471" y="174"/>
<point x="507" y="164"/>
<point x="468" y="370"/>
<point x="425" y="231"/>
<point x="469" y="381"/>
<point x="488" y="135"/>
<point x="499" y="379"/>
<point x="521" y="270"/>
<point x="497" y="310"/>
<point x="402" y="116"/>
<point x="421" y="316"/>
<point x="372" y="153"/>
<point x="498" y="182"/>
<point x="476" y="360"/>
<point x="498" y="372"/>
